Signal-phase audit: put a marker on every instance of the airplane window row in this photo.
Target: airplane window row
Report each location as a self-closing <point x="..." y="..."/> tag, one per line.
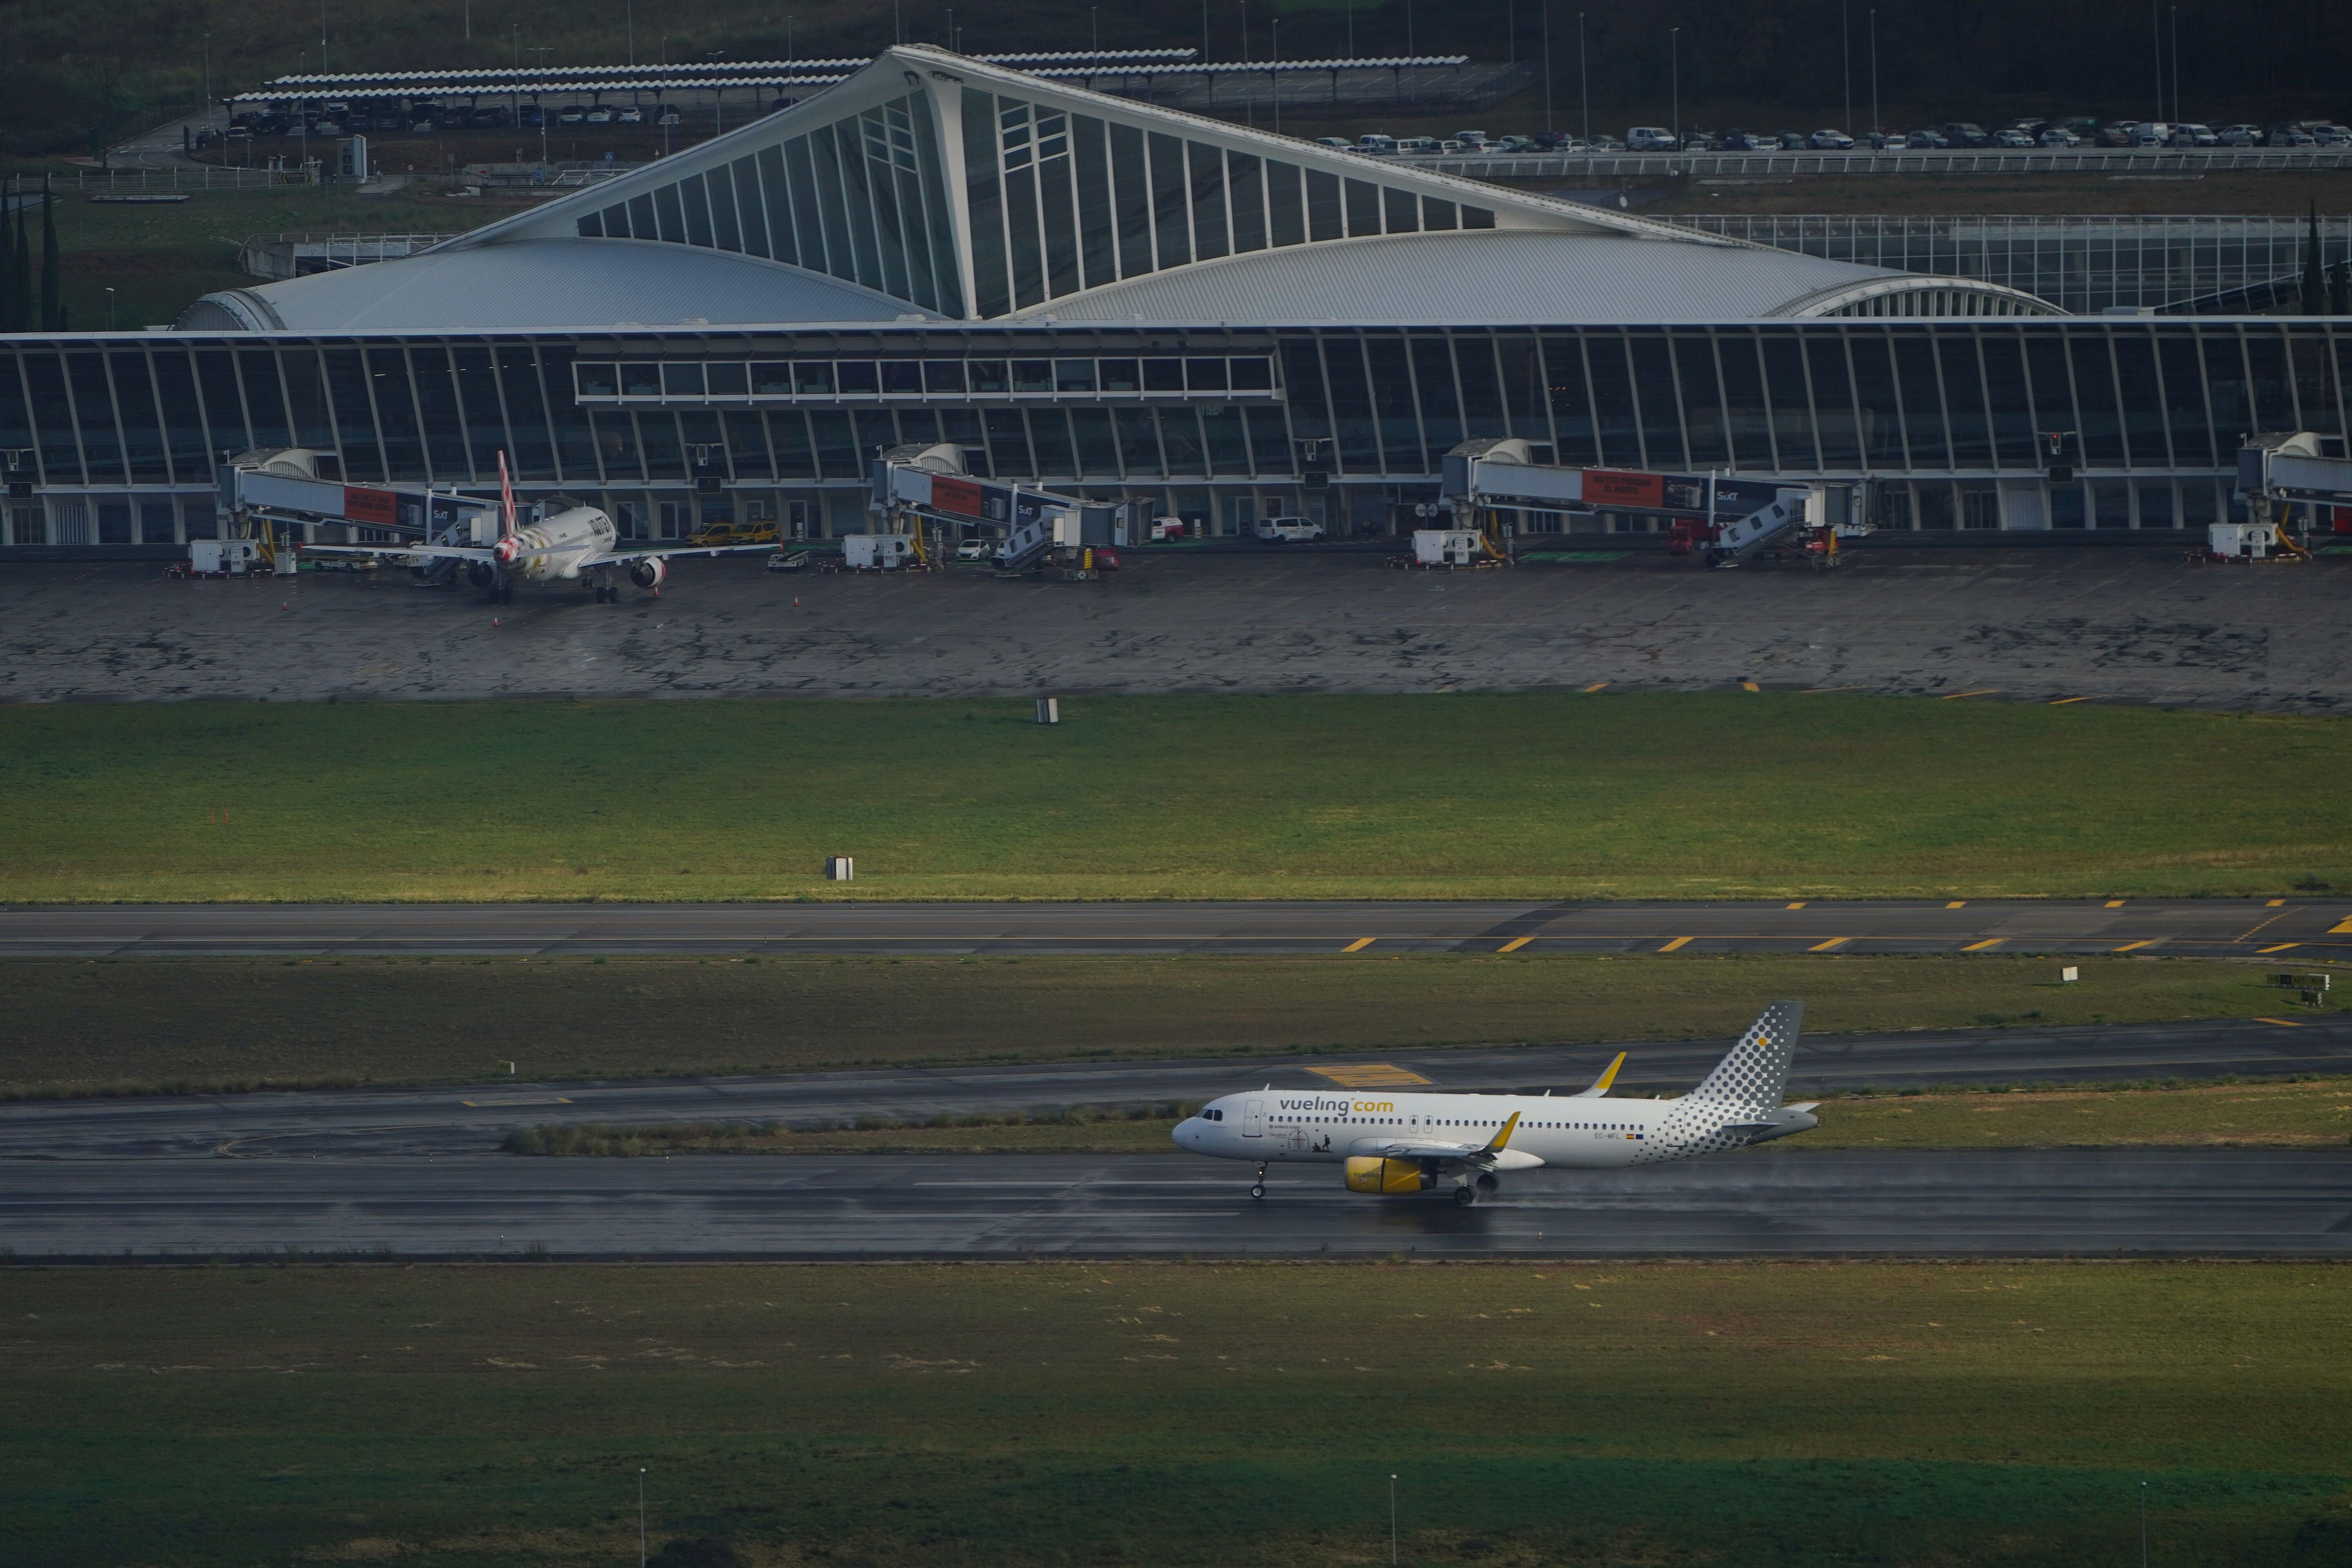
<point x="918" y="378"/>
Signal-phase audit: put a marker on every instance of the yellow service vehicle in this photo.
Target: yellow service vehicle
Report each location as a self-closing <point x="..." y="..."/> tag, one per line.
<point x="735" y="533"/>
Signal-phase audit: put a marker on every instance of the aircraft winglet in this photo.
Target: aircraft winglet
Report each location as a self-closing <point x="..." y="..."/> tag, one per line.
<point x="1600" y="1084"/>
<point x="1504" y="1136"/>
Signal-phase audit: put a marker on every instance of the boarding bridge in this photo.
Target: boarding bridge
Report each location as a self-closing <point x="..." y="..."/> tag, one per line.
<point x="1728" y="516"/>
<point x="2281" y="470"/>
<point x="921" y="483"/>
<point x="265" y="489"/>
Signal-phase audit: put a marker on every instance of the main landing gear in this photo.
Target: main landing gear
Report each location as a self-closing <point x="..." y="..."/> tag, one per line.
<point x="1257" y="1188"/>
<point x="1484" y="1185"/>
<point x="1465" y="1195"/>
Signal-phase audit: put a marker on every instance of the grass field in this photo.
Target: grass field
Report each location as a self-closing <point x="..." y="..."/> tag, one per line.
<point x="2303" y="1114"/>
<point x="1730" y="1415"/>
<point x="1538" y="795"/>
<point x="194" y="1025"/>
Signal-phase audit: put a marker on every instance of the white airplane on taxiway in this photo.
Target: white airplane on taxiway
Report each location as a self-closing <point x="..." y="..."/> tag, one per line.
<point x="1399" y="1145"/>
<point x="573" y="544"/>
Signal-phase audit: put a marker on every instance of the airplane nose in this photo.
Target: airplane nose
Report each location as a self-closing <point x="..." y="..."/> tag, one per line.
<point x="1186" y="1131"/>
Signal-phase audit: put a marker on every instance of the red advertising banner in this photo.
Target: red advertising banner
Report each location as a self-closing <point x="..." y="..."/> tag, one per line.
<point x="380" y="507"/>
<point x="1602" y="486"/>
<point x="960" y="496"/>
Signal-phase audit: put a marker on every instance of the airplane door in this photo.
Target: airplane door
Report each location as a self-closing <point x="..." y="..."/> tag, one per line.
<point x="1254" y="1119"/>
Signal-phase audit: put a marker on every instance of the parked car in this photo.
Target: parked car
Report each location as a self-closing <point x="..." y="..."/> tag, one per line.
<point x="1829" y="141"/>
<point x="669" y="117"/>
<point x="571" y="117"/>
<point x="2012" y="139"/>
<point x="1376" y="143"/>
<point x="1965" y="134"/>
<point x="1288" y="529"/>
<point x="2058" y="136"/>
<point x="1471" y="138"/>
<point x="629" y="116"/>
<point x="2332" y="135"/>
<point x="1339" y="143"/>
<point x="2240" y="135"/>
<point x="1651" y="139"/>
<point x="1415" y="146"/>
<point x="975" y="550"/>
<point x="1792" y="141"/>
<point x="1890" y="141"/>
<point x="600" y="116"/>
<point x="1933" y="140"/>
<point x="2289" y="136"/>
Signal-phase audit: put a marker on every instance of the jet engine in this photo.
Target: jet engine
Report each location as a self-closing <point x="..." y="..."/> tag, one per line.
<point x="1389" y="1178"/>
<point x="481" y="574"/>
<point x="648" y="572"/>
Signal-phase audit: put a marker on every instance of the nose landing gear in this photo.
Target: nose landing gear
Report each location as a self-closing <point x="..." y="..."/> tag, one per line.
<point x="1257" y="1188"/>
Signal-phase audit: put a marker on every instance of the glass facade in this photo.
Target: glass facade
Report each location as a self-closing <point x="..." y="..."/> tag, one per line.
<point x="1062" y="201"/>
<point x="863" y="199"/>
<point x="107" y="429"/>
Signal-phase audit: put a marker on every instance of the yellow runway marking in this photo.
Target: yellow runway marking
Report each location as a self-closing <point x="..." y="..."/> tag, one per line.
<point x="1958" y="904"/>
<point x="1797" y="906"/>
<point x="1980" y="946"/>
<point x="1954" y="696"/>
<point x="2282" y="1023"/>
<point x="2275" y="903"/>
<point x="1749" y="685"/>
<point x="2062" y="701"/>
<point x="2126" y="947"/>
<point x="2341" y="928"/>
<point x="1360" y="943"/>
<point x="1515" y="943"/>
<point x="2279" y="948"/>
<point x="1596" y="686"/>
<point x="1674" y="944"/>
<point x="2115" y="903"/>
<point x="1368" y="1075"/>
<point x="1825" y="946"/>
<point x="527" y="1099"/>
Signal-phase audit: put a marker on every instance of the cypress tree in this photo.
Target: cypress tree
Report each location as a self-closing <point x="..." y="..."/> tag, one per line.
<point x="24" y="271"/>
<point x="2339" y="289"/>
<point x="2314" y="282"/>
<point x="53" y="308"/>
<point x="9" y="321"/>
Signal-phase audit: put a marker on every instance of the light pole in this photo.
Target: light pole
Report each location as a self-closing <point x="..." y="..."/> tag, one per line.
<point x="629" y="21"/>
<point x="641" y="1516"/>
<point x="1393" y="1529"/>
<point x="2155" y="29"/>
<point x="1549" y="127"/>
<point x="1583" y="87"/>
<point x="1094" y="21"/>
<point x="110" y="327"/>
<point x="2176" y="62"/>
<point x="1874" y="73"/>
<point x="1675" y="75"/>
<point x="1845" y="65"/>
<point x="1245" y="32"/>
<point x="1352" y="29"/>
<point x="1274" y="76"/>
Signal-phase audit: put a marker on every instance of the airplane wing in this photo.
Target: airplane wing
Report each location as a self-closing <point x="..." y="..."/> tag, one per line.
<point x="611" y="555"/>
<point x="455" y="551"/>
<point x="1485" y="1153"/>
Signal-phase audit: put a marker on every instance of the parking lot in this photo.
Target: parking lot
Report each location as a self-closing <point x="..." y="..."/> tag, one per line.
<point x="2134" y="625"/>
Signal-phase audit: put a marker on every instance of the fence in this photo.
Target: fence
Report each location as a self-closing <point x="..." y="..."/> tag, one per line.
<point x="1674" y="165"/>
<point x="300" y="255"/>
<point x="2081" y="263"/>
<point x="143" y="181"/>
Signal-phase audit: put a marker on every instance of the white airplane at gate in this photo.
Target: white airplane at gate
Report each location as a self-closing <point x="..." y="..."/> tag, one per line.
<point x="1399" y="1145"/>
<point x="575" y="546"/>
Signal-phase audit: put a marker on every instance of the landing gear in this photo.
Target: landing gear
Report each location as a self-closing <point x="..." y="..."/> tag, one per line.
<point x="1465" y="1195"/>
<point x="503" y="594"/>
<point x="1257" y="1188"/>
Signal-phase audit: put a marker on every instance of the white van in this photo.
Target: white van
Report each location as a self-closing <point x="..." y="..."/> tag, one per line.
<point x="1651" y="139"/>
<point x="1408" y="145"/>
<point x="1288" y="529"/>
<point x="1376" y="143"/>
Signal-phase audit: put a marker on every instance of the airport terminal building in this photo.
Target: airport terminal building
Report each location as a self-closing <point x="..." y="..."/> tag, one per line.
<point x="1125" y="302"/>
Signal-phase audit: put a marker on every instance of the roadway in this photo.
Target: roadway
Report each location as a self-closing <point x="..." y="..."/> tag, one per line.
<point x="2210" y="1202"/>
<point x="2290" y="931"/>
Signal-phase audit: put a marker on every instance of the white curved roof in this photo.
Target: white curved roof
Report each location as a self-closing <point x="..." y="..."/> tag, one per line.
<point x="527" y="284"/>
<point x="1491" y="277"/>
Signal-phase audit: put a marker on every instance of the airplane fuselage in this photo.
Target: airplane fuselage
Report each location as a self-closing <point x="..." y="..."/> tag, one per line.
<point x="1287" y="1126"/>
<point x="561" y="548"/>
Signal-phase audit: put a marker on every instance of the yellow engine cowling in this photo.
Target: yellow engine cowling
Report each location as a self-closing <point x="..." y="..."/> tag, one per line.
<point x="1388" y="1178"/>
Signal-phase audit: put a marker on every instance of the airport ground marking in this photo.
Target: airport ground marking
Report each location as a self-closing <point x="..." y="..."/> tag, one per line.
<point x="1595" y="686"/>
<point x="2274" y="904"/>
<point x="1515" y="943"/>
<point x="1836" y="941"/>
<point x="1958" y="904"/>
<point x="1360" y="943"/>
<point x="2115" y="903"/>
<point x="1798" y="905"/>
<point x="2279" y="948"/>
<point x="2341" y="928"/>
<point x="1980" y="946"/>
<point x="1956" y="696"/>
<point x="1370" y="1075"/>
<point x="1674" y="944"/>
<point x="526" y="1100"/>
<point x="1749" y="686"/>
<point x="2062" y="701"/>
<point x="2282" y="1023"/>
<point x="2128" y="946"/>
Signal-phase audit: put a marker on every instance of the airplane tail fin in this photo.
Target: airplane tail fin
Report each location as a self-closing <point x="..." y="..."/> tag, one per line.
<point x="1600" y="1084"/>
<point x="1756" y="1072"/>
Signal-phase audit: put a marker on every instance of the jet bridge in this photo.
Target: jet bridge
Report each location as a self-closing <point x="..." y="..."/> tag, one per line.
<point x="2281" y="470"/>
<point x="919" y="484"/>
<point x="264" y="491"/>
<point x="1730" y="517"/>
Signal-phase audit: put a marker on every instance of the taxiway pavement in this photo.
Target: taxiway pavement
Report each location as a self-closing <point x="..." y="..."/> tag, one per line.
<point x="2143" y="1203"/>
<point x="2290" y="931"/>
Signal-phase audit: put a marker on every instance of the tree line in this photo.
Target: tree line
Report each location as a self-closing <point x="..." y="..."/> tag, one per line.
<point x="29" y="302"/>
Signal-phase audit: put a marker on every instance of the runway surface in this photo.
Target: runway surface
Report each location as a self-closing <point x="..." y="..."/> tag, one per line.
<point x="2290" y="930"/>
<point x="1760" y="1203"/>
<point x="445" y="1122"/>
